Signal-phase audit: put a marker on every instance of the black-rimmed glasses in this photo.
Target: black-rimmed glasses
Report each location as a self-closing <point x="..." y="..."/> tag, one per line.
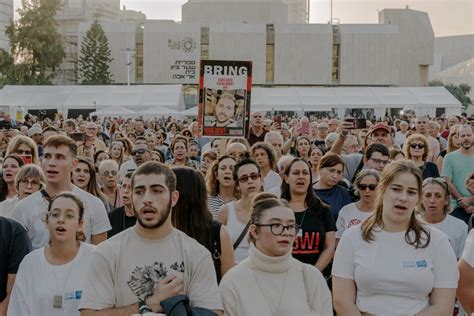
<point x="278" y="229"/>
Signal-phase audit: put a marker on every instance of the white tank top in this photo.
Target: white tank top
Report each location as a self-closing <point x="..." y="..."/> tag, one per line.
<point x="235" y="227"/>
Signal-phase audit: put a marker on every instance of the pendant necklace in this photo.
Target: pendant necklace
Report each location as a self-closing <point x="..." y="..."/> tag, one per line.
<point x="274" y="313"/>
<point x="58" y="298"/>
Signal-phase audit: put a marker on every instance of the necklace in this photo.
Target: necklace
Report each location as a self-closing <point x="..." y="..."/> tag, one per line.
<point x="58" y="298"/>
<point x="276" y="312"/>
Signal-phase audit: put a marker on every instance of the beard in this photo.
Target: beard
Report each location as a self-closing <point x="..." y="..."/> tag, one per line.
<point x="466" y="145"/>
<point x="162" y="217"/>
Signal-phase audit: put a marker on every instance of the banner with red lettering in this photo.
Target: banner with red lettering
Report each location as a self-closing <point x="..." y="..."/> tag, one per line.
<point x="224" y="98"/>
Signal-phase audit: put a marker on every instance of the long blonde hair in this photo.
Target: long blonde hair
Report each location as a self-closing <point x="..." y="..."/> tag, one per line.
<point x="393" y="170"/>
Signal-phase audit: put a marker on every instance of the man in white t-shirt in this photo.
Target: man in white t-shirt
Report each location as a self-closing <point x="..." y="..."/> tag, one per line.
<point x="465" y="291"/>
<point x="59" y="159"/>
<point x="138" y="269"/>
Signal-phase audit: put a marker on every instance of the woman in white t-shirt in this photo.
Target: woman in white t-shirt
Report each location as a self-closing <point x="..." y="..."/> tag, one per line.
<point x="391" y="264"/>
<point x="271" y="281"/>
<point x="466" y="281"/>
<point x="357" y="212"/>
<point x="50" y="280"/>
<point x="434" y="210"/>
<point x="264" y="155"/>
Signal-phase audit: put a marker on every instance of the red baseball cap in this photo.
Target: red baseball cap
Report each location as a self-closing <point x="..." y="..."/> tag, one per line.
<point x="380" y="126"/>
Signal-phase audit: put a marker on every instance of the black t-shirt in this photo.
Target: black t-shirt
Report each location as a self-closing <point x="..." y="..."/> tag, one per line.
<point x="14" y="245"/>
<point x="119" y="221"/>
<point x="429" y="169"/>
<point x="309" y="242"/>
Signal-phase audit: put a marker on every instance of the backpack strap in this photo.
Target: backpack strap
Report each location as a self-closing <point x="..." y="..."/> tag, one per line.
<point x="242" y="235"/>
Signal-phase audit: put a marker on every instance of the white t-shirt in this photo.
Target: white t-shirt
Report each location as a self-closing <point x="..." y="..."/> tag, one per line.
<point x="393" y="277"/>
<point x="126" y="268"/>
<point x="456" y="230"/>
<point x="400" y="138"/>
<point x="6" y="206"/>
<point x="272" y="180"/>
<point x="468" y="254"/>
<point x="38" y="281"/>
<point x="349" y="216"/>
<point x="276" y="191"/>
<point x="31" y="211"/>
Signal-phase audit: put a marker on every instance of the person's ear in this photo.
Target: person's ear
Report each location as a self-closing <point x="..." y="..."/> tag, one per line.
<point x="174" y="198"/>
<point x="253" y="231"/>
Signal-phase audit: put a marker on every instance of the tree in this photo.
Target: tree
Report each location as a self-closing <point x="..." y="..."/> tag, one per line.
<point x="460" y="92"/>
<point x="36" y="46"/>
<point x="94" y="59"/>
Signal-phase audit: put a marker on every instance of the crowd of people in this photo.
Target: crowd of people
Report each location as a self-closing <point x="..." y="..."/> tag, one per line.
<point x="305" y="216"/>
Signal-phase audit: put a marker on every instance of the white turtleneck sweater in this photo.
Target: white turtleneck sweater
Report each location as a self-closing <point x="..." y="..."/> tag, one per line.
<point x="262" y="285"/>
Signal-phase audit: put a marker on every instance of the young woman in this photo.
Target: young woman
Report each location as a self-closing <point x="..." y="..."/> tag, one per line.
<point x="264" y="155"/>
<point x="271" y="281"/>
<point x="416" y="149"/>
<point x="100" y="156"/>
<point x="357" y="212"/>
<point x="50" y="280"/>
<point x="236" y="214"/>
<point x="453" y="144"/>
<point x="303" y="148"/>
<point x="331" y="171"/>
<point x="317" y="153"/>
<point x="191" y="216"/>
<point x="220" y="183"/>
<point x="391" y="263"/>
<point x="434" y="210"/>
<point x="207" y="158"/>
<point x="10" y="167"/>
<point x="117" y="152"/>
<point x="84" y="176"/>
<point x="316" y="241"/>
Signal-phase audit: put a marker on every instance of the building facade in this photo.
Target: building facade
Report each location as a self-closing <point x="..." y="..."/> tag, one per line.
<point x="6" y="15"/>
<point x="298" y="11"/>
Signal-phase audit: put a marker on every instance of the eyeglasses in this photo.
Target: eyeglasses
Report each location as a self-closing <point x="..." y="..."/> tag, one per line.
<point x="139" y="152"/>
<point x="253" y="177"/>
<point x="67" y="215"/>
<point x="414" y="146"/>
<point x="30" y="182"/>
<point x="364" y="187"/>
<point x="23" y="152"/>
<point x="380" y="161"/>
<point x="278" y="229"/>
<point x="109" y="173"/>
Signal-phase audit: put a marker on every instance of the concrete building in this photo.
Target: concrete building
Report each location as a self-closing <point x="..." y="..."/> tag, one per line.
<point x="298" y="11"/>
<point x="450" y="51"/>
<point x="6" y="14"/>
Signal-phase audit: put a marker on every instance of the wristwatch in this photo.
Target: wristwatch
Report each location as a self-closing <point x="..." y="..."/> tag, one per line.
<point x="143" y="307"/>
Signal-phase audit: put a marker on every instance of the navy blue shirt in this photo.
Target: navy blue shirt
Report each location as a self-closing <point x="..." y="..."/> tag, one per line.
<point x="336" y="197"/>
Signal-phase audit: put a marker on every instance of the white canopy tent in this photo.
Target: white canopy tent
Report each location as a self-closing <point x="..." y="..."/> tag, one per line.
<point x="114" y="111"/>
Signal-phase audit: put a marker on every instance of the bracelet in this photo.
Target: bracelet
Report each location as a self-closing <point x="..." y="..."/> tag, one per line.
<point x="143" y="307"/>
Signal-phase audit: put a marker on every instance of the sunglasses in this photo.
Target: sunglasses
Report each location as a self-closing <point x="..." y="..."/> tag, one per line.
<point x="364" y="187"/>
<point x="413" y="146"/>
<point x="253" y="177"/>
<point x="139" y="152"/>
<point x="23" y="152"/>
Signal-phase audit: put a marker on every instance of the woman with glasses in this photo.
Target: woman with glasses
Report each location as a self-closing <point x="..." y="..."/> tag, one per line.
<point x="24" y="147"/>
<point x="236" y="214"/>
<point x="331" y="171"/>
<point x="271" y="281"/>
<point x="391" y="264"/>
<point x="50" y="280"/>
<point x="357" y="212"/>
<point x="28" y="180"/>
<point x="10" y="167"/>
<point x="416" y="149"/>
<point x="191" y="216"/>
<point x="316" y="241"/>
<point x="434" y="210"/>
<point x="220" y="183"/>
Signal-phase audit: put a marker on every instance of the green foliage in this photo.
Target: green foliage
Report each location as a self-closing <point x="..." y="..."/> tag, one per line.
<point x="460" y="92"/>
<point x="94" y="58"/>
<point x="36" y="45"/>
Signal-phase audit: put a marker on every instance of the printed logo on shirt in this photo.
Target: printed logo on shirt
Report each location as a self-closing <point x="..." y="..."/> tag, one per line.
<point x="71" y="296"/>
<point x="414" y="264"/>
<point x="307" y="244"/>
<point x="353" y="222"/>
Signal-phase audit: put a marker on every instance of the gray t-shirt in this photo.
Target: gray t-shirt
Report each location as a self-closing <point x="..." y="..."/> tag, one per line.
<point x="351" y="163"/>
<point x="127" y="267"/>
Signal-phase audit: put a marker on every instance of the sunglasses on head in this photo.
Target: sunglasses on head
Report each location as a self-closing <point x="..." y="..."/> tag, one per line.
<point x="253" y="177"/>
<point x="364" y="187"/>
<point x="413" y="146"/>
<point x="139" y="151"/>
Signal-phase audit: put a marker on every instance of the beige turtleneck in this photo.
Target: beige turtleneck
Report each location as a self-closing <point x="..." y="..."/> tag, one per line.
<point x="263" y="285"/>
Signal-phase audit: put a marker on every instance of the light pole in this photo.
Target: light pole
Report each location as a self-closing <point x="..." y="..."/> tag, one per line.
<point x="129" y="53"/>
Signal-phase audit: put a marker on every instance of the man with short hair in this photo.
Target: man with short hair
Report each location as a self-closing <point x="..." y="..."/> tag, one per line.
<point x="140" y="155"/>
<point x="139" y="127"/>
<point x="376" y="157"/>
<point x="401" y="135"/>
<point x="351" y="145"/>
<point x="422" y="127"/>
<point x="257" y="132"/>
<point x="275" y="139"/>
<point x="333" y="124"/>
<point x="70" y="126"/>
<point x="456" y="165"/>
<point x="109" y="177"/>
<point x="224" y="111"/>
<point x="123" y="217"/>
<point x="59" y="159"/>
<point x="137" y="270"/>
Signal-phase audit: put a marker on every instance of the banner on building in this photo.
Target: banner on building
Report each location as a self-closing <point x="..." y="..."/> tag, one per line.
<point x="224" y="98"/>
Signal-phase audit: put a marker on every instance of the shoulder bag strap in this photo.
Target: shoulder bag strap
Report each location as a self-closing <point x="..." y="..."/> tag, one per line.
<point x="242" y="235"/>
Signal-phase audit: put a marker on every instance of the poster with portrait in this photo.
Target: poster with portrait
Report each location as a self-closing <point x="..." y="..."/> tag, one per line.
<point x="224" y="98"/>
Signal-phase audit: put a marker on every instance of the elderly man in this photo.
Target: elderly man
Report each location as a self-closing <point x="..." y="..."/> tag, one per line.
<point x="275" y="139"/>
<point x="401" y="135"/>
<point x="92" y="143"/>
<point x="257" y="132"/>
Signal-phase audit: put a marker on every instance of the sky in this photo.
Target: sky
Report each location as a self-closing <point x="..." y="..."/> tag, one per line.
<point x="448" y="17"/>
